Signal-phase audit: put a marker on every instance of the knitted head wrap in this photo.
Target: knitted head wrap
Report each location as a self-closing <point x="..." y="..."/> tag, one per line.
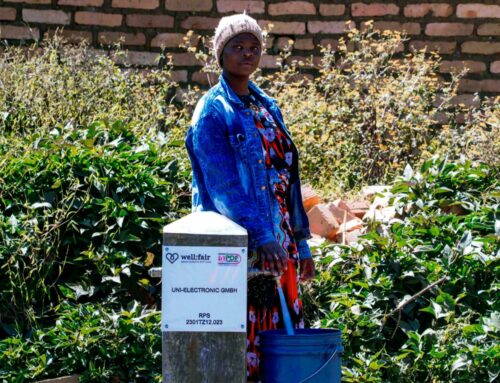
<point x="231" y="26"/>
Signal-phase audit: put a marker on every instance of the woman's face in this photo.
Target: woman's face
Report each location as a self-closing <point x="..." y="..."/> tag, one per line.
<point x="241" y="55"/>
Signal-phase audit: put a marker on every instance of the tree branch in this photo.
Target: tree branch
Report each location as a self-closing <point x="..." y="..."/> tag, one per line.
<point x="413" y="297"/>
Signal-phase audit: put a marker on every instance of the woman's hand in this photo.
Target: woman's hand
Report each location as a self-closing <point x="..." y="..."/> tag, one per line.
<point x="273" y="257"/>
<point x="307" y="270"/>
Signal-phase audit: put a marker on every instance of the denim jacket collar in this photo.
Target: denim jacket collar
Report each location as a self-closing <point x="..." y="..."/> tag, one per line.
<point x="233" y="97"/>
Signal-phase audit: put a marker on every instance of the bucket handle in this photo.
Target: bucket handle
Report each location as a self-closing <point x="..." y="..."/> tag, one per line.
<point x="319" y="369"/>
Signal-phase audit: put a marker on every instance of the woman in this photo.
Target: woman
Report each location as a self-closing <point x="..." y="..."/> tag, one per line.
<point x="245" y="166"/>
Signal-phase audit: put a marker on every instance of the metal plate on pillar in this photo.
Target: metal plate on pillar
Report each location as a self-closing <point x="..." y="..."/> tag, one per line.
<point x="204" y="283"/>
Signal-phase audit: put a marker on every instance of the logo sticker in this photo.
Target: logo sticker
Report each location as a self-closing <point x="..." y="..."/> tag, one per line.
<point x="229" y="259"/>
<point x="172" y="257"/>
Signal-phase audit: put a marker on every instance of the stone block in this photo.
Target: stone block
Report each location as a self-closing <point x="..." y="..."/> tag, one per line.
<point x="322" y="222"/>
<point x="374" y="9"/>
<point x="424" y="9"/>
<point x="46" y="16"/>
<point x="331" y="9"/>
<point x="98" y="18"/>
<point x="472" y="11"/>
<point x="251" y="7"/>
<point x="292" y="8"/>
<point x="137" y="4"/>
<point x="309" y="197"/>
<point x="449" y="29"/>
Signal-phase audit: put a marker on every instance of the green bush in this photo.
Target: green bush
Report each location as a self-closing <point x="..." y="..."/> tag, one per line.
<point x="92" y="166"/>
<point x="417" y="299"/>
<point x="99" y="344"/>
<point x="477" y="138"/>
<point x="370" y="110"/>
<point x="81" y="212"/>
<point x="59" y="83"/>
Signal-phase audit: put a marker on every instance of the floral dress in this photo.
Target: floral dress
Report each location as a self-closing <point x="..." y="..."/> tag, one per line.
<point x="264" y="308"/>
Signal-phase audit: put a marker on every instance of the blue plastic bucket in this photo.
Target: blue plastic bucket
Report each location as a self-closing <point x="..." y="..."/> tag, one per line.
<point x="309" y="356"/>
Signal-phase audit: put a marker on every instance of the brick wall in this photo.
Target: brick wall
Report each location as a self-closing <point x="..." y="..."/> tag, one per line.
<point x="467" y="32"/>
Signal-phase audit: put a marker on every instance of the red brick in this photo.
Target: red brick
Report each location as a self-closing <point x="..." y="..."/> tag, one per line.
<point x="292" y="8"/>
<point x="481" y="47"/>
<point x="342" y="215"/>
<point x="472" y="11"/>
<point x="300" y="44"/>
<point x="19" y="33"/>
<point x="124" y="38"/>
<point x="188" y="5"/>
<point x="304" y="44"/>
<point x="200" y="22"/>
<point x="82" y="3"/>
<point x="359" y="208"/>
<point x="490" y="29"/>
<point x="457" y="66"/>
<point x="71" y="36"/>
<point x="284" y="27"/>
<point x="408" y="28"/>
<point x="487" y="86"/>
<point x="140" y="4"/>
<point x="469" y="100"/>
<point x="170" y="40"/>
<point x="309" y="197"/>
<point x="149" y="21"/>
<point x="204" y="78"/>
<point x="333" y="27"/>
<point x="448" y="29"/>
<point x="282" y="42"/>
<point x="178" y="75"/>
<point x="268" y="61"/>
<point x="98" y="18"/>
<point x="443" y="47"/>
<point x="331" y="9"/>
<point x="422" y="10"/>
<point x="184" y="59"/>
<point x="332" y="42"/>
<point x="495" y="67"/>
<point x="7" y="13"/>
<point x="341" y="205"/>
<point x="316" y="60"/>
<point x="46" y="16"/>
<point x="224" y="6"/>
<point x="138" y="58"/>
<point x="29" y="1"/>
<point x="375" y="9"/>
<point x="322" y="222"/>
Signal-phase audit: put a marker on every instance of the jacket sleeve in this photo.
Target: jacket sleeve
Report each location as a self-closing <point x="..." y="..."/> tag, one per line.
<point x="304" y="250"/>
<point x="216" y="159"/>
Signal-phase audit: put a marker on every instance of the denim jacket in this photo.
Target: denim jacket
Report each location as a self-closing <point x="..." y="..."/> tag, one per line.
<point x="229" y="172"/>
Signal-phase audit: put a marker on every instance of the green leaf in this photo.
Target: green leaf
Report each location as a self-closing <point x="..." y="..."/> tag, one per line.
<point x="461" y="363"/>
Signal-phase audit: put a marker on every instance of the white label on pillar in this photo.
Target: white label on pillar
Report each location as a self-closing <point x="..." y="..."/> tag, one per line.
<point x="204" y="288"/>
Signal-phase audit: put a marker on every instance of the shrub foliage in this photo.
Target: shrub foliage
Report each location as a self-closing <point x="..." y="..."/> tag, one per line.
<point x="81" y="212"/>
<point x="418" y="299"/>
<point x="370" y="110"/>
<point x="59" y="83"/>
